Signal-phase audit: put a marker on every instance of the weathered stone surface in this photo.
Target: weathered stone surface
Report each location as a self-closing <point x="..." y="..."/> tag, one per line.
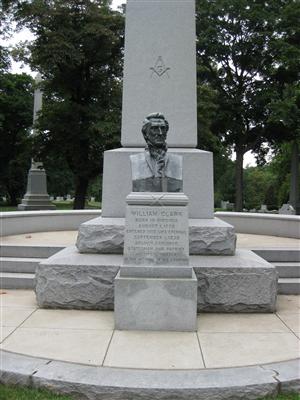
<point x="156" y="304"/>
<point x="93" y="383"/>
<point x="240" y="283"/>
<point x="72" y="280"/>
<point x="16" y="369"/>
<point x="288" y="374"/>
<point x="211" y="236"/>
<point x="101" y="235"/>
<point x="206" y="236"/>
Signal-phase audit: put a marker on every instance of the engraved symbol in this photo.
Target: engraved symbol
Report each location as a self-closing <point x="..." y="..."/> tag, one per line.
<point x="160" y="68"/>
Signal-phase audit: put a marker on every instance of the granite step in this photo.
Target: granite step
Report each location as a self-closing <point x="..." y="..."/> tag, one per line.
<point x="288" y="269"/>
<point x="278" y="254"/>
<point x="28" y="251"/>
<point x="19" y="265"/>
<point x="289" y="286"/>
<point x="17" y="280"/>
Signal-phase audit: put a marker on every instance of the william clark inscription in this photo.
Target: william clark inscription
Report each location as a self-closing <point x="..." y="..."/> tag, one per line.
<point x="156" y="235"/>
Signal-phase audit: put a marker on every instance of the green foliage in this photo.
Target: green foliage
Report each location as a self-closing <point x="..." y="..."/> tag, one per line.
<point x="24" y="393"/>
<point x="78" y="51"/>
<point x="246" y="52"/>
<point x="285" y="396"/>
<point x="259" y="184"/>
<point x="16" y="104"/>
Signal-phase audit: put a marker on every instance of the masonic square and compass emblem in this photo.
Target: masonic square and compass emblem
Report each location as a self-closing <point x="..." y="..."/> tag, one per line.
<point x="160" y="68"/>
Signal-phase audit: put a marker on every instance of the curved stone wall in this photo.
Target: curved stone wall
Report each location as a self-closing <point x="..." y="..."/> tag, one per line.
<point x="263" y="224"/>
<point x="13" y="223"/>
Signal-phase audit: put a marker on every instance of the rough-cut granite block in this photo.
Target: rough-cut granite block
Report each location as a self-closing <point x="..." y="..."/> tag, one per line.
<point x="156" y="304"/>
<point x="240" y="283"/>
<point x="206" y="236"/>
<point x="78" y="281"/>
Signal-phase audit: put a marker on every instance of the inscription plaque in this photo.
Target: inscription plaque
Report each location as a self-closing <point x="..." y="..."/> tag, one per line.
<point x="157" y="235"/>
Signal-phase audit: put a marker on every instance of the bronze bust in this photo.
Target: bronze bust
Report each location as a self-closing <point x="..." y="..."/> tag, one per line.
<point x="156" y="170"/>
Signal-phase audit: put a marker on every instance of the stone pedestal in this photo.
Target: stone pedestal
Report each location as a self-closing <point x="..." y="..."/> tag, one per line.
<point x="36" y="197"/>
<point x="168" y="304"/>
<point x="156" y="288"/>
<point x="206" y="236"/>
<point x="197" y="181"/>
<point x="243" y="283"/>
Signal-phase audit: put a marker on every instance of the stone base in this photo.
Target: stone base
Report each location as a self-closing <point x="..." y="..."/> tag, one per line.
<point x="240" y="283"/>
<point x="197" y="181"/>
<point x="156" y="304"/>
<point x="206" y="236"/>
<point x="36" y="197"/>
<point x="36" y="202"/>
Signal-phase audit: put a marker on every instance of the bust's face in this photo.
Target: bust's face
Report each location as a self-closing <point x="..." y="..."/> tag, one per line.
<point x="157" y="133"/>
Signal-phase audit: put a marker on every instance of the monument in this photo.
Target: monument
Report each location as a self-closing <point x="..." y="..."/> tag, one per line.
<point x="36" y="197"/>
<point x="159" y="74"/>
<point x="156" y="289"/>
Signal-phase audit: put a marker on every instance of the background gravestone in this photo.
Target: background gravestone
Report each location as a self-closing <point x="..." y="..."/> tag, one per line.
<point x="36" y="197"/>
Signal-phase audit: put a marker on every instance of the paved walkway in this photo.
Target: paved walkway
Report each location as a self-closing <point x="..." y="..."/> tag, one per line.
<point x="68" y="238"/>
<point x="88" y="337"/>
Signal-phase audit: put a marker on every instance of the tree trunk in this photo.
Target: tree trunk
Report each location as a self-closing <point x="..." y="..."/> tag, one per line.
<point x="81" y="186"/>
<point x="294" y="188"/>
<point x="13" y="197"/>
<point x="239" y="180"/>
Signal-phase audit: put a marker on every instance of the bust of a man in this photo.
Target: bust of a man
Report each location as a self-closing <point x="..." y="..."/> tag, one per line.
<point x="156" y="169"/>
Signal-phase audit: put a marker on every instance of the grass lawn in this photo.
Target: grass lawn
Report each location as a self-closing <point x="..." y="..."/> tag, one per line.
<point x="20" y="393"/>
<point x="60" y="205"/>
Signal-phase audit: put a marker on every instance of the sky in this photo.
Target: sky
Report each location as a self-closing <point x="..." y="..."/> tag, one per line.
<point x="249" y="159"/>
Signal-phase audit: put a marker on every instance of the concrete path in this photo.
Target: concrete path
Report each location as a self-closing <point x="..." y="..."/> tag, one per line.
<point x="68" y="238"/>
<point x="88" y="337"/>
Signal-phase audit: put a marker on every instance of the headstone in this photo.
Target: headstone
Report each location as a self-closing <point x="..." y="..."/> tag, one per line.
<point x="36" y="197"/>
<point x="93" y="199"/>
<point x="287" y="209"/>
<point x="224" y="204"/>
<point x="156" y="288"/>
<point x="263" y="209"/>
<point x="68" y="197"/>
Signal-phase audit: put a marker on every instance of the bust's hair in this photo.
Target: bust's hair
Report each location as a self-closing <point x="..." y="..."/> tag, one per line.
<point x="147" y="122"/>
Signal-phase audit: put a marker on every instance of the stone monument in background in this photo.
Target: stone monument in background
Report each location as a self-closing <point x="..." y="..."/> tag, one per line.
<point x="159" y="74"/>
<point x="36" y="197"/>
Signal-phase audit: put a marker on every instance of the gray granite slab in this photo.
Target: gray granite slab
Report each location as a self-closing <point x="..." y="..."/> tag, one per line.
<point x="90" y="382"/>
<point x="206" y="236"/>
<point x="160" y="70"/>
<point x="197" y="180"/>
<point x="240" y="283"/>
<point x="156" y="304"/>
<point x="156" y="230"/>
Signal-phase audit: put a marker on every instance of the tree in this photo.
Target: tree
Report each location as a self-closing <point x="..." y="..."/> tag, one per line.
<point x="16" y="104"/>
<point x="78" y="51"/>
<point x="234" y="53"/>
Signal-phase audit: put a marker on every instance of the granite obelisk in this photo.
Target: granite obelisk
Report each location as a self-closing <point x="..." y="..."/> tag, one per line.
<point x="36" y="197"/>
